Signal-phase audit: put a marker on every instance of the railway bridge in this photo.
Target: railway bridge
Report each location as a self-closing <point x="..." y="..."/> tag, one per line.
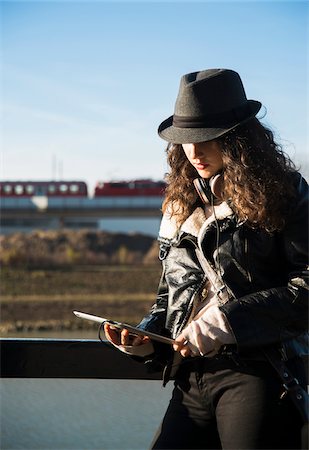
<point x="43" y="212"/>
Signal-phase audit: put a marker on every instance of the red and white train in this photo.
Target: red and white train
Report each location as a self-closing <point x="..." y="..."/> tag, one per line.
<point x="145" y="188"/>
<point x="134" y="188"/>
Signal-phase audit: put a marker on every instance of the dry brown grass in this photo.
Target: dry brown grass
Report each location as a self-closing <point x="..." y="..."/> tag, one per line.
<point x="45" y="299"/>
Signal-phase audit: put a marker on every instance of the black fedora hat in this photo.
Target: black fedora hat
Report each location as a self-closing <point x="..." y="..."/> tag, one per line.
<point x="209" y="104"/>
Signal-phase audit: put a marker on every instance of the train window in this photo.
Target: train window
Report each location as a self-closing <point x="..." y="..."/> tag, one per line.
<point x="63" y="188"/>
<point x="19" y="189"/>
<point x="51" y="188"/>
<point x="40" y="190"/>
<point x="74" y="188"/>
<point x="143" y="184"/>
<point x="7" y="188"/>
<point x="29" y="189"/>
<point x="119" y="185"/>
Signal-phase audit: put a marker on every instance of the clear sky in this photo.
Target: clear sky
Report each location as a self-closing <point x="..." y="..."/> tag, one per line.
<point x="86" y="84"/>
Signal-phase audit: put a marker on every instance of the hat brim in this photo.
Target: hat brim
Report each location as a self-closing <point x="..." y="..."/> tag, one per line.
<point x="176" y="135"/>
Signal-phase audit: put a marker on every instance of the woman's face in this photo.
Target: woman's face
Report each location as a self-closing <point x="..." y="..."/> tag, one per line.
<point x="206" y="157"/>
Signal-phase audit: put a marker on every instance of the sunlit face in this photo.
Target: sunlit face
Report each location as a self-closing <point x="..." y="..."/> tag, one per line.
<point x="206" y="157"/>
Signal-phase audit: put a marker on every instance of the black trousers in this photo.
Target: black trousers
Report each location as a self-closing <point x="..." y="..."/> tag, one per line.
<point x="223" y="404"/>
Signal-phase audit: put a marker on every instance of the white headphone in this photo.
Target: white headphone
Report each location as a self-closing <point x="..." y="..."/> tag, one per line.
<point x="210" y="191"/>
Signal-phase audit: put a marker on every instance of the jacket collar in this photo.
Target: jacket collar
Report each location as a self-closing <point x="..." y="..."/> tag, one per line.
<point x="195" y="225"/>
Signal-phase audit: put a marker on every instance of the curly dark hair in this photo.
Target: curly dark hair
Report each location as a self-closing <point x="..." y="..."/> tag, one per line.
<point x="257" y="178"/>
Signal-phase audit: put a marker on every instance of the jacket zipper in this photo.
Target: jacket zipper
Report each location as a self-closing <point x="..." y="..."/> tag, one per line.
<point x="247" y="260"/>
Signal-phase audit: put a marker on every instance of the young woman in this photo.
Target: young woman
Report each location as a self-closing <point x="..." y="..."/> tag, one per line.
<point x="234" y="249"/>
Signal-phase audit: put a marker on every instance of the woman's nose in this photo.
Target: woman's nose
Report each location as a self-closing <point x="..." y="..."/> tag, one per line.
<point x="195" y="151"/>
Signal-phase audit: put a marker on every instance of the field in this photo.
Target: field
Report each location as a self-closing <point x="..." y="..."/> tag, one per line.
<point x="44" y="299"/>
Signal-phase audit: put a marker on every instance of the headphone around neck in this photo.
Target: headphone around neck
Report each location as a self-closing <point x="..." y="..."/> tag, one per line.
<point x="210" y="191"/>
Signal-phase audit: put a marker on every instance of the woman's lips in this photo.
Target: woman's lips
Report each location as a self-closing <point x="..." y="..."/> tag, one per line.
<point x="201" y="166"/>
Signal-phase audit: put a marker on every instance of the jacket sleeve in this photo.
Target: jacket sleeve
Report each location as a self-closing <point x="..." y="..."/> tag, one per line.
<point x="155" y="321"/>
<point x="274" y="315"/>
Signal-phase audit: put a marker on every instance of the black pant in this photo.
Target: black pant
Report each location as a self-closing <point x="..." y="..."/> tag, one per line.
<point x="221" y="404"/>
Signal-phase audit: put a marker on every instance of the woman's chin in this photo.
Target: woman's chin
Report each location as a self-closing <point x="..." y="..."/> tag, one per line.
<point x="205" y="173"/>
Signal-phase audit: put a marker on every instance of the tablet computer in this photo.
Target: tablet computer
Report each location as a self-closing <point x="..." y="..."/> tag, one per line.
<point x="133" y="330"/>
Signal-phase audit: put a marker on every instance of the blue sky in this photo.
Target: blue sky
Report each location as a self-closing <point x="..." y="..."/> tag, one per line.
<point x="85" y="84"/>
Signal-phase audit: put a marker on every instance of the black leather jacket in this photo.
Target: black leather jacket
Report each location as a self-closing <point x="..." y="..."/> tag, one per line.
<point x="265" y="274"/>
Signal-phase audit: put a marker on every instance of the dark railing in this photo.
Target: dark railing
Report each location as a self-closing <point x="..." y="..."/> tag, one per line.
<point x="65" y="394"/>
<point x="58" y="358"/>
<point x="72" y="358"/>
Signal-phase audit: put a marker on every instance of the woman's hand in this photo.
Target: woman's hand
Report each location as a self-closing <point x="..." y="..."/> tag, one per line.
<point x="181" y="345"/>
<point x="205" y="335"/>
<point x="123" y="337"/>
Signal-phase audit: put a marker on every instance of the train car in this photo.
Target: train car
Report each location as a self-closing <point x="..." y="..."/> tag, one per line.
<point x="18" y="189"/>
<point x="134" y="188"/>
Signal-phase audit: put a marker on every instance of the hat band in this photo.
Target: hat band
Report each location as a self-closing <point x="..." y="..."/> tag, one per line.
<point x="232" y="116"/>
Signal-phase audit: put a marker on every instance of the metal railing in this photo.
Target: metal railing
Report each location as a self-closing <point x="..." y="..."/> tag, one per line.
<point x="60" y="358"/>
<point x="67" y="394"/>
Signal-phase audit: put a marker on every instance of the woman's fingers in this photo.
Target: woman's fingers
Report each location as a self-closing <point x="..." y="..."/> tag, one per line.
<point x="123" y="337"/>
<point x="186" y="351"/>
<point x="179" y="342"/>
<point x="139" y="340"/>
<point x="180" y="345"/>
<point x="112" y="334"/>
